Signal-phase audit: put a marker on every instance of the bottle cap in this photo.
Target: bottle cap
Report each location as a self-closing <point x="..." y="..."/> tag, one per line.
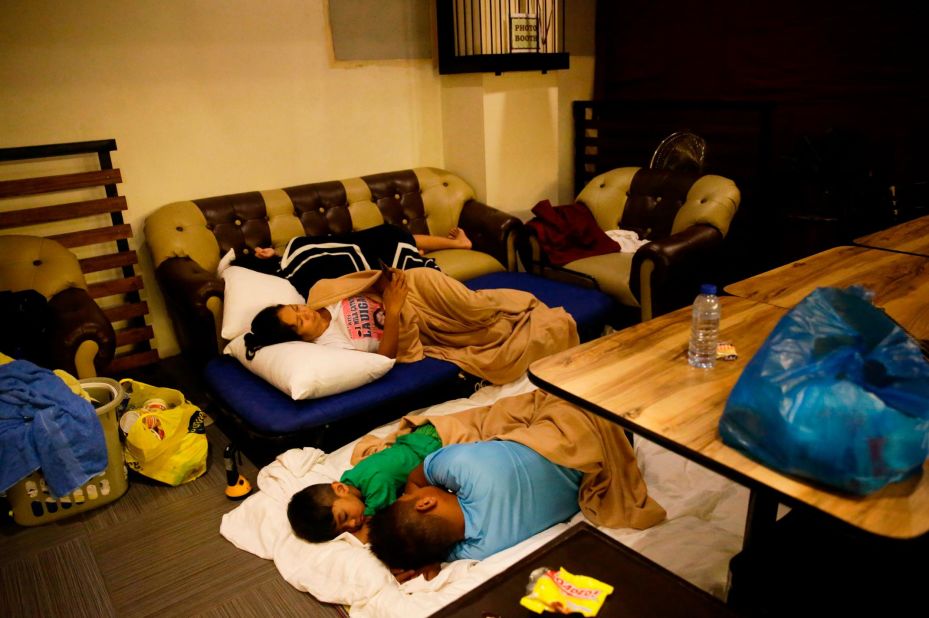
<point x="708" y="288"/>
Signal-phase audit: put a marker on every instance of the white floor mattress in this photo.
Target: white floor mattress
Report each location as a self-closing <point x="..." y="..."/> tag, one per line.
<point x="706" y="517"/>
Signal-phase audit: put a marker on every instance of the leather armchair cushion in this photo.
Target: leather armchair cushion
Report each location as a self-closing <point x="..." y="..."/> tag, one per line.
<point x="40" y="264"/>
<point x="612" y="272"/>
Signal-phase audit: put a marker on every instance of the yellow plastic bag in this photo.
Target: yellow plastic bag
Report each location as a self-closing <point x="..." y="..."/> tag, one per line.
<point x="167" y="442"/>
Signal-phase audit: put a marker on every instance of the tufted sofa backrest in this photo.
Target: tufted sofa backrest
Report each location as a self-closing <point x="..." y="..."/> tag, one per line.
<point x="423" y="200"/>
<point x="40" y="264"/>
<point x="658" y="203"/>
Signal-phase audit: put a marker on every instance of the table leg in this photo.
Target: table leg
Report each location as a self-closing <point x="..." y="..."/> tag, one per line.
<point x="761" y="517"/>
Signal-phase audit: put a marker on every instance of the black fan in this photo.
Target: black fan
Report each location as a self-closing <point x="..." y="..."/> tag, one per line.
<point x="682" y="151"/>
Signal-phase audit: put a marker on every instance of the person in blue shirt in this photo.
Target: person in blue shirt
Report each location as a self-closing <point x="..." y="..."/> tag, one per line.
<point x="471" y="501"/>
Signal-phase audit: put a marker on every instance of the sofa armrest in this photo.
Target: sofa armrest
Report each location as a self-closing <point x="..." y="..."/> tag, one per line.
<point x="77" y="319"/>
<point x="491" y="231"/>
<point x="188" y="290"/>
<point x="660" y="269"/>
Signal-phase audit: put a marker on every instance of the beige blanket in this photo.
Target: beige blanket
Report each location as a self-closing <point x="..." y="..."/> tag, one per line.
<point x="493" y="334"/>
<point x="612" y="492"/>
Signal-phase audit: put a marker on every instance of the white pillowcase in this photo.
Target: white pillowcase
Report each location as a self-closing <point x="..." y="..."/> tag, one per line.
<point x="247" y="293"/>
<point x="307" y="370"/>
<point x="225" y="262"/>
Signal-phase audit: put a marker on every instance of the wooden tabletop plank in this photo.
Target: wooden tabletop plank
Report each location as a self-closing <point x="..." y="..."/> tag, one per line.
<point x="640" y="378"/>
<point x="910" y="236"/>
<point x="900" y="282"/>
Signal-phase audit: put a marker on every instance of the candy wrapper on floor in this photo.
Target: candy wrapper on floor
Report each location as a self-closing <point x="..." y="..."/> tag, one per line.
<point x="561" y="592"/>
<point x="838" y="393"/>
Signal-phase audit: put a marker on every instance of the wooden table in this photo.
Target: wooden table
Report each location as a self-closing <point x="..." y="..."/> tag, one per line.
<point x="908" y="237"/>
<point x="900" y="282"/>
<point x="639" y="377"/>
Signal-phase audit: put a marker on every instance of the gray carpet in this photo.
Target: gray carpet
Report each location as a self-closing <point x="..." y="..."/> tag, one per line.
<point x="156" y="551"/>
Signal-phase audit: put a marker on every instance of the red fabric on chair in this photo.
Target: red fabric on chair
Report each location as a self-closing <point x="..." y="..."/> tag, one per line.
<point x="568" y="233"/>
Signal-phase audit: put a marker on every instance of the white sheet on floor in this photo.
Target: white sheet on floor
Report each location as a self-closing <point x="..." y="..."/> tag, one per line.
<point x="706" y="516"/>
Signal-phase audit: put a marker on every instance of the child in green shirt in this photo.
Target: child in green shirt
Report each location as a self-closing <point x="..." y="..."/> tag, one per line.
<point x="322" y="511"/>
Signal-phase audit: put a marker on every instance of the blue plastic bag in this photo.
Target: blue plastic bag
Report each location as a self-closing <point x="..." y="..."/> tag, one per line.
<point x="838" y="393"/>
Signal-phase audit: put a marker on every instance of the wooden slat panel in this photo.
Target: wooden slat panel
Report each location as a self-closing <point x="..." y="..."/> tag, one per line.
<point x="61" y="212"/>
<point x="116" y="286"/>
<point x="92" y="237"/>
<point x="105" y="262"/>
<point x="131" y="361"/>
<point x="57" y="150"/>
<point x="63" y="182"/>
<point x="125" y="312"/>
<point x="120" y="257"/>
<point x="129" y="336"/>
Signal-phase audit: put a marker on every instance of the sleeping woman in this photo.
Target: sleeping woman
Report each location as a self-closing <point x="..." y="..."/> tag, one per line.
<point x="493" y="334"/>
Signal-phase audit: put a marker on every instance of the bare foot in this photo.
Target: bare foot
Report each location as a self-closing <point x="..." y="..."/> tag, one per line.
<point x="461" y="239"/>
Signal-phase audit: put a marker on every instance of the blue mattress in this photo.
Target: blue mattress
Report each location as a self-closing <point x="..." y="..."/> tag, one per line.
<point x="266" y="412"/>
<point x="270" y="411"/>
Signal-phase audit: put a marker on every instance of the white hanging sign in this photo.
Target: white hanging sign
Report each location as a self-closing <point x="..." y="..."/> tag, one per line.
<point x="524" y="32"/>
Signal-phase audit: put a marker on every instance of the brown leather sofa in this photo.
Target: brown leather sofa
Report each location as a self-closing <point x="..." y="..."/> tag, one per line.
<point x="187" y="239"/>
<point x="684" y="215"/>
<point x="79" y="339"/>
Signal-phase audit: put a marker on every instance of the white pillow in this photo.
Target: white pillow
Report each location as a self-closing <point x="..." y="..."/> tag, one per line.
<point x="247" y="293"/>
<point x="307" y="370"/>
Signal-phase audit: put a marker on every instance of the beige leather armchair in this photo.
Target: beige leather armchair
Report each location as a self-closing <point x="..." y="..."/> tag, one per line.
<point x="80" y="339"/>
<point x="684" y="215"/>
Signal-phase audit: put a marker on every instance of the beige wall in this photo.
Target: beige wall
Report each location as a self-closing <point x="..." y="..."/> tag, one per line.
<point x="518" y="133"/>
<point x="211" y="97"/>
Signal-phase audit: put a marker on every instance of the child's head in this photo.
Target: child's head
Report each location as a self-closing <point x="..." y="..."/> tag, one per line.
<point x="321" y="512"/>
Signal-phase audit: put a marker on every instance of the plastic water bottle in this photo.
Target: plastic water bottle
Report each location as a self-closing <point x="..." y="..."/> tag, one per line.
<point x="704" y="328"/>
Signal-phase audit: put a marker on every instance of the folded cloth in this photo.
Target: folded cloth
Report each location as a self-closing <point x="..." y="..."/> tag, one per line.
<point x="568" y="233"/>
<point x="628" y="240"/>
<point x="43" y="424"/>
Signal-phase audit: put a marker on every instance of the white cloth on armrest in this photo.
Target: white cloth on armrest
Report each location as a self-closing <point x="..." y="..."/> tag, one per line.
<point x="628" y="240"/>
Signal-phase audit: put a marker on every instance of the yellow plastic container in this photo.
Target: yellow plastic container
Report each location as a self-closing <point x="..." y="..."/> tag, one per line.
<point x="30" y="500"/>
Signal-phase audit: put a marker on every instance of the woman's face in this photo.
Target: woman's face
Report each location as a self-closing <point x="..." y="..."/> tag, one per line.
<point x="306" y="322"/>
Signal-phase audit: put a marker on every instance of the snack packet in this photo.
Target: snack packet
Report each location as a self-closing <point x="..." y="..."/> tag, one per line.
<point x="563" y="593"/>
<point x="725" y="351"/>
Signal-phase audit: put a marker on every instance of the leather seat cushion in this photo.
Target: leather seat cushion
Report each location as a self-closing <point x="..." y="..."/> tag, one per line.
<point x="612" y="272"/>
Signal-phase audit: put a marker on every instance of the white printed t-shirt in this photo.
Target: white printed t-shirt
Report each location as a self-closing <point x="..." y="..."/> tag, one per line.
<point x="357" y="324"/>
